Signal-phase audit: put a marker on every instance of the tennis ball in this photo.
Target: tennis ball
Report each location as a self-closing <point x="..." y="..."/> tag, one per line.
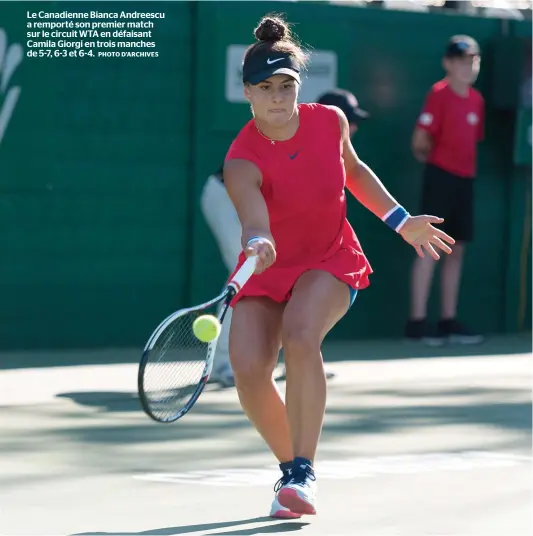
<point x="206" y="328"/>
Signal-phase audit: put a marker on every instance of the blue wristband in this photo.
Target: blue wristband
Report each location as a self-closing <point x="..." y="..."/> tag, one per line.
<point x="396" y="217"/>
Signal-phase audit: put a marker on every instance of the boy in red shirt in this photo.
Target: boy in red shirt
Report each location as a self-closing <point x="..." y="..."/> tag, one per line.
<point x="445" y="140"/>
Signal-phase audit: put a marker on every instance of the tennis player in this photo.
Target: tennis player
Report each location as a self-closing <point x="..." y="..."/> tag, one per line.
<point x="222" y="220"/>
<point x="286" y="174"/>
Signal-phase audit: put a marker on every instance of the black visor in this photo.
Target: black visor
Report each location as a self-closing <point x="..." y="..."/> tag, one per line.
<point x="262" y="65"/>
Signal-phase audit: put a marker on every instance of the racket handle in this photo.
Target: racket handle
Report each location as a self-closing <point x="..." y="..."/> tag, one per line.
<point x="244" y="273"/>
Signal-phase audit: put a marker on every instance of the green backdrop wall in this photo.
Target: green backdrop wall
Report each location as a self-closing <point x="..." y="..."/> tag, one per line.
<point x="103" y="161"/>
<point x="94" y="207"/>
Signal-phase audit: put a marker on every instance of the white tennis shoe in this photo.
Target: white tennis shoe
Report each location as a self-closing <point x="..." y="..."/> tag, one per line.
<point x="277" y="510"/>
<point x="299" y="494"/>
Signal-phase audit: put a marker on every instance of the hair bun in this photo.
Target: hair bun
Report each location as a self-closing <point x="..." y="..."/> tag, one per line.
<point x="271" y="29"/>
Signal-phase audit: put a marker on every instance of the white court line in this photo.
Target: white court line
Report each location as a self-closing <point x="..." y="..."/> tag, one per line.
<point x="367" y="467"/>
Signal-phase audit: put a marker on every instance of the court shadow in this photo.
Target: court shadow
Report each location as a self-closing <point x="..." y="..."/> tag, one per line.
<point x="272" y="528"/>
<point x="290" y="526"/>
<point x="107" y="401"/>
<point x="114" y="401"/>
<point x="120" y="401"/>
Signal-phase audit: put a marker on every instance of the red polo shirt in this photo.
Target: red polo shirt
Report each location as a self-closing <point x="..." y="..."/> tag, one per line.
<point x="456" y="125"/>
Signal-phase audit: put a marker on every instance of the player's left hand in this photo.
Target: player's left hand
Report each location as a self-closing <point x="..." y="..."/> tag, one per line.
<point x="420" y="233"/>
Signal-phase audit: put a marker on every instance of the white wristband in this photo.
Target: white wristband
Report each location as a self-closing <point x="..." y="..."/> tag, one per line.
<point x="257" y="239"/>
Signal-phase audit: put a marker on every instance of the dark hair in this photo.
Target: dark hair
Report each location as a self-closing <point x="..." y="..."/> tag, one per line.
<point x="273" y="33"/>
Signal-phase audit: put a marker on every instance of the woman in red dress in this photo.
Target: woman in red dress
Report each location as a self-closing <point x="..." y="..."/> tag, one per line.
<point x="286" y="174"/>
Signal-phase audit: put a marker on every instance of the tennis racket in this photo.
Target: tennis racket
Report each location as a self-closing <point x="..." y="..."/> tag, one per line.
<point x="175" y="365"/>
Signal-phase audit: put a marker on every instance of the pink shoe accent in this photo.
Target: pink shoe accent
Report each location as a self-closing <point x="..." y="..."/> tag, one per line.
<point x="289" y="498"/>
<point x="285" y="514"/>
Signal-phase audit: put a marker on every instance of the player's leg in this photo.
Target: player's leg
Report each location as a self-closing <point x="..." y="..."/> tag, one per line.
<point x="463" y="230"/>
<point x="437" y="200"/>
<point x="318" y="302"/>
<point x="222" y="219"/>
<point x="255" y="340"/>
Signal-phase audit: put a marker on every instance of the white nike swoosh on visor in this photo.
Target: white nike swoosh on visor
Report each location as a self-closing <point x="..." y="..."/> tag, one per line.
<point x="270" y="62"/>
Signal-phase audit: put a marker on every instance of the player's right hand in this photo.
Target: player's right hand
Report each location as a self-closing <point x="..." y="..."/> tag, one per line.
<point x="265" y="251"/>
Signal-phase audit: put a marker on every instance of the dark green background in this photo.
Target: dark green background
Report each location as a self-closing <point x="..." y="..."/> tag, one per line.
<point x="103" y="162"/>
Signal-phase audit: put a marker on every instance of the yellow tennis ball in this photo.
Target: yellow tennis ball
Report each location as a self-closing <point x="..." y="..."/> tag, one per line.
<point x="206" y="328"/>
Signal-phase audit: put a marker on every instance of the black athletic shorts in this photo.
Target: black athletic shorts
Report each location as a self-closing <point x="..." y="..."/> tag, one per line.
<point x="450" y="197"/>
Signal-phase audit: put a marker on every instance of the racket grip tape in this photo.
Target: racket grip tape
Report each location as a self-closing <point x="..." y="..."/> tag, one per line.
<point x="244" y="273"/>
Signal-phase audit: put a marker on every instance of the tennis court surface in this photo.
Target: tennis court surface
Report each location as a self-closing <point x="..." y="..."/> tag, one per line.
<point x="411" y="447"/>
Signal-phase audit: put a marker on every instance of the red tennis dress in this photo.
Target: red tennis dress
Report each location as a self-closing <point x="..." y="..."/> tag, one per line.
<point x="303" y="182"/>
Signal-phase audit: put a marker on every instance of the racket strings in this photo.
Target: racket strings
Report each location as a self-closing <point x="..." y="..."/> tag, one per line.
<point x="175" y="367"/>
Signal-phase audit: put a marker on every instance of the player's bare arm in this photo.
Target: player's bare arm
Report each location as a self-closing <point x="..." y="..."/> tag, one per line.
<point x="243" y="182"/>
<point x="361" y="181"/>
<point x="365" y="186"/>
<point x="422" y="144"/>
